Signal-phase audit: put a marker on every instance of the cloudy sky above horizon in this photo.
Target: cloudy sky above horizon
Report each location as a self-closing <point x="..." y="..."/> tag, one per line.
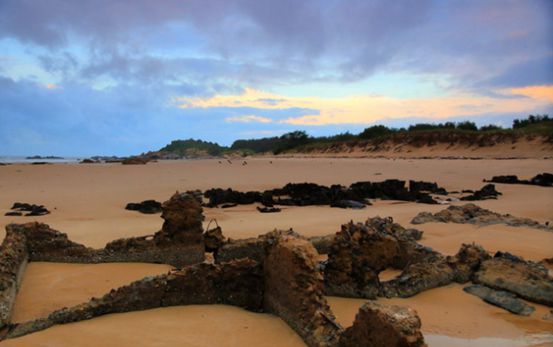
<point x="124" y="77"/>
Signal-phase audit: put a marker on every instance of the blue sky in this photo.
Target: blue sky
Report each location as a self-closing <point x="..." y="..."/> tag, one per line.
<point x="124" y="77"/>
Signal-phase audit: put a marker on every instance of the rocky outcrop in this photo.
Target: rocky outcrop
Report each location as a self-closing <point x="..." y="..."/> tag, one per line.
<point x="359" y="252"/>
<point x="134" y="161"/>
<point x="473" y="214"/>
<point x="377" y="325"/>
<point x="146" y="206"/>
<point x="544" y="179"/>
<point x="238" y="283"/>
<point x="322" y="243"/>
<point x="13" y="259"/>
<point x="214" y="239"/>
<point x="500" y="298"/>
<point x="307" y="194"/>
<point x="526" y="279"/>
<point x="486" y="192"/>
<point x="294" y="291"/>
<point x="180" y="242"/>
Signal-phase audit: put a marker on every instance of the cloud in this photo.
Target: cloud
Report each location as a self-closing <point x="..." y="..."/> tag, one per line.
<point x="366" y="109"/>
<point x="248" y="119"/>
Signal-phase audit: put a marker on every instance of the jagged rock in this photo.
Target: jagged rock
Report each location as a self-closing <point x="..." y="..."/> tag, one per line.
<point x="377" y="325"/>
<point x="473" y="214"/>
<point x="527" y="279"/>
<point x="146" y="206"/>
<point x="486" y="192"/>
<point x="360" y="251"/>
<point x="500" y="298"/>
<point x="294" y="291"/>
<point x="266" y="209"/>
<point x="434" y="270"/>
<point x="238" y="283"/>
<point x="214" y="239"/>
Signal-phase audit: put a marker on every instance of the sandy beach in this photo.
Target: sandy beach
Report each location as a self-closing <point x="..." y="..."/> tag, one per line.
<point x="87" y="202"/>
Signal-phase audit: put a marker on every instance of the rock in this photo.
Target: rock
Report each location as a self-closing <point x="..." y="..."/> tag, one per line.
<point x="214" y="239"/>
<point x="486" y="192"/>
<point x="430" y="187"/>
<point x="322" y="243"/>
<point x="348" y="204"/>
<point x="229" y="205"/>
<point x="266" y="209"/>
<point x="359" y="252"/>
<point x="526" y="279"/>
<point x="146" y="206"/>
<point x="544" y="180"/>
<point x="88" y="161"/>
<point x="134" y="161"/>
<point x="473" y="214"/>
<point x="218" y="196"/>
<point x="13" y="213"/>
<point x="32" y="209"/>
<point x="377" y="325"/>
<point x="503" y="299"/>
<point x="294" y="290"/>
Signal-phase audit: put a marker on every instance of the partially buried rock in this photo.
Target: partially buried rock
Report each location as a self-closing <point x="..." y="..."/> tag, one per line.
<point x="134" y="161"/>
<point x="348" y="204"/>
<point x="500" y="298"/>
<point x="146" y="206"/>
<point x="13" y="213"/>
<point x="32" y="209"/>
<point x="267" y="209"/>
<point x="486" y="192"/>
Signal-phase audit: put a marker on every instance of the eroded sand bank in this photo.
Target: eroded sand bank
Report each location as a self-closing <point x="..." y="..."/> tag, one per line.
<point x="87" y="202"/>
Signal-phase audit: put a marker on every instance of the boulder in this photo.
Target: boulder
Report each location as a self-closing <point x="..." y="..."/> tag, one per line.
<point x="486" y="192"/>
<point x="526" y="279"/>
<point x="377" y="325"/>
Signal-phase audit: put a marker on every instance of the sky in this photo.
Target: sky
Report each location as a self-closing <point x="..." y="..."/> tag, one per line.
<point x="113" y="77"/>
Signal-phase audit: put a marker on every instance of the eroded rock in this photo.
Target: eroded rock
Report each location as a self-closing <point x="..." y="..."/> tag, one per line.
<point x="377" y="325"/>
<point x="473" y="214"/>
<point x="500" y="298"/>
<point x="146" y="206"/>
<point x="486" y="192"/>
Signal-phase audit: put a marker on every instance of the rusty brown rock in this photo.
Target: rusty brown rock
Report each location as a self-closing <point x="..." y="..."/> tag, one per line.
<point x="13" y="259"/>
<point x="377" y="325"/>
<point x="294" y="291"/>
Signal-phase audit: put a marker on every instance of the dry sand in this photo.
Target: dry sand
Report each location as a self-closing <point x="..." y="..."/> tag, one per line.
<point x="87" y="202"/>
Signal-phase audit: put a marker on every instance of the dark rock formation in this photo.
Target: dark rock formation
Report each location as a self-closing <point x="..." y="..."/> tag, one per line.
<point x="267" y="209"/>
<point x="348" y="204"/>
<point x="486" y="192"/>
<point x="422" y="186"/>
<point x="395" y="327"/>
<point x="134" y="161"/>
<point x="544" y="179"/>
<point x="31" y="209"/>
<point x="218" y="196"/>
<point x="500" y="298"/>
<point x="526" y="279"/>
<point x="146" y="206"/>
<point x="472" y="214"/>
<point x="13" y="213"/>
<point x="88" y="161"/>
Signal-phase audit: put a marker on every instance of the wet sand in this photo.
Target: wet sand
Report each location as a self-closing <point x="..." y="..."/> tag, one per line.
<point x="87" y="203"/>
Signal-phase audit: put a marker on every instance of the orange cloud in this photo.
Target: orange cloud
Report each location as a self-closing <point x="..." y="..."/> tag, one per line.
<point x="363" y="109"/>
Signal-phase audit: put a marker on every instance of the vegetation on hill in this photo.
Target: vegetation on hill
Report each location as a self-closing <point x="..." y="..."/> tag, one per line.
<point x="416" y="135"/>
